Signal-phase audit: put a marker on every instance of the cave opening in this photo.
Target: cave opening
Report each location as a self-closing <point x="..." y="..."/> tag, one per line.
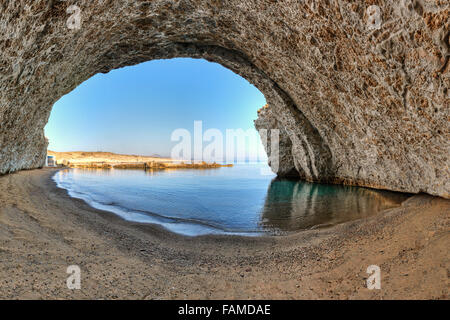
<point x="141" y="109"/>
<point x="173" y="143"/>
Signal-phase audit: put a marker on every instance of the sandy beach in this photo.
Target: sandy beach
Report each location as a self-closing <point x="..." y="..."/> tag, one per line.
<point x="43" y="231"/>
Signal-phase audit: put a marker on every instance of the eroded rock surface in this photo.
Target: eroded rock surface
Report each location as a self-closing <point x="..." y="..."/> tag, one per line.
<point x="359" y="88"/>
<point x="277" y="144"/>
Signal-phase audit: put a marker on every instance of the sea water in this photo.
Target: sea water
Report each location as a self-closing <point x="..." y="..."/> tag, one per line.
<point x="243" y="199"/>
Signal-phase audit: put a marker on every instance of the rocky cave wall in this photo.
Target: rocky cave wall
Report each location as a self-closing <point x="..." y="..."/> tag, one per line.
<point x="358" y="89"/>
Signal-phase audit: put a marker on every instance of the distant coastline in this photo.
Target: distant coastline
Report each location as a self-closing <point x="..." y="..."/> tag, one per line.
<point x="109" y="160"/>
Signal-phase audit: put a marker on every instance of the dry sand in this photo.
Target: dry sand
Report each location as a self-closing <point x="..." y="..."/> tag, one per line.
<point x="43" y="230"/>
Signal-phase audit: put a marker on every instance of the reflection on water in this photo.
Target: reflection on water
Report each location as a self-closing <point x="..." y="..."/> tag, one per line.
<point x="236" y="200"/>
<point x="296" y="205"/>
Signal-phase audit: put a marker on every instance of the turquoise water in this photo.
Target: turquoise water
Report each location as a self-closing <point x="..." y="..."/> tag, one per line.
<point x="243" y="199"/>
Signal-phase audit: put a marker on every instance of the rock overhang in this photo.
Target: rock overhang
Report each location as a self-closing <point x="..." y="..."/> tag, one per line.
<point x="356" y="104"/>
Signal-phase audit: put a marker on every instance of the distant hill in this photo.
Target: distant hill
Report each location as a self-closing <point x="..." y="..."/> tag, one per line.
<point x="100" y="156"/>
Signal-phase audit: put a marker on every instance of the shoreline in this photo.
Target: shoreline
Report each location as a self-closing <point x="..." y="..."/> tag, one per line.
<point x="148" y="165"/>
<point x="43" y="230"/>
<point x="109" y="160"/>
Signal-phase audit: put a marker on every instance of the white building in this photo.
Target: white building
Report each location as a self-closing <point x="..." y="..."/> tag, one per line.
<point x="50" y="161"/>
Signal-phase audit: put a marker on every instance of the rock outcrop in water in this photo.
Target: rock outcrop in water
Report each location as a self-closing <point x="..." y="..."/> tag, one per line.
<point x="359" y="89"/>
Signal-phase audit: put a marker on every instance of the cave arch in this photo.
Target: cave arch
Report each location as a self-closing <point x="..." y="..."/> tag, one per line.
<point x="352" y="109"/>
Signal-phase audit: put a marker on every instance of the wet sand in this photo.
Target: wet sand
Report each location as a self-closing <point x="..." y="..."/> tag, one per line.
<point x="43" y="231"/>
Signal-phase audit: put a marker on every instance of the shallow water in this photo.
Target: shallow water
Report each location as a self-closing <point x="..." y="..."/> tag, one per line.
<point x="243" y="199"/>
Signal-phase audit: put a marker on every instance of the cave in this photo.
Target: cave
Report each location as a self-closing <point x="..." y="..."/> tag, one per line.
<point x="357" y="101"/>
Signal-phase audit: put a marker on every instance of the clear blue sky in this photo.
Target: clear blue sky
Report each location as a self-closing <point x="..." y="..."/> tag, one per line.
<point x="134" y="110"/>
